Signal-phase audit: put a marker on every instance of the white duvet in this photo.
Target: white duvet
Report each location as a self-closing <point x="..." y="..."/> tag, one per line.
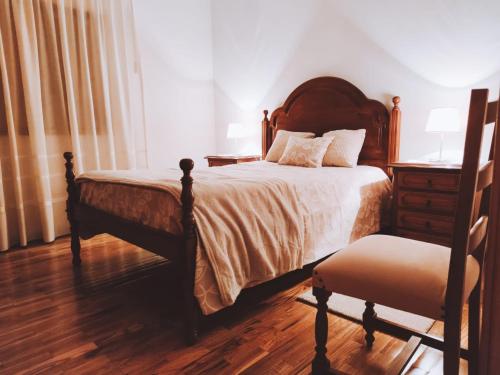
<point x="259" y="220"/>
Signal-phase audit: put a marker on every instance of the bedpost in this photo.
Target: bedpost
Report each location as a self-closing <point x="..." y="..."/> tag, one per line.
<point x="71" y="208"/>
<point x="266" y="134"/>
<point x="394" y="130"/>
<point x="189" y="255"/>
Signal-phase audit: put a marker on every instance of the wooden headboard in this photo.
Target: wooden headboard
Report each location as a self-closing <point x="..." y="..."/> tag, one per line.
<point x="329" y="103"/>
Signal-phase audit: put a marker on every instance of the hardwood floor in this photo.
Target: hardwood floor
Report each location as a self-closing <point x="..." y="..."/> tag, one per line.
<point x="119" y="315"/>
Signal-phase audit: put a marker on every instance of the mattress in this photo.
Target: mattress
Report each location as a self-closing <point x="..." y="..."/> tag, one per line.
<point x="255" y="221"/>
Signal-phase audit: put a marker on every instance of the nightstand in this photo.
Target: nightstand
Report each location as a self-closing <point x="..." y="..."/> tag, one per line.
<point x="425" y="200"/>
<point x="219" y="160"/>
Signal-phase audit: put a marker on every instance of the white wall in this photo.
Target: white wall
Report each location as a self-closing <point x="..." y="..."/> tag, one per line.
<point x="429" y="52"/>
<point x="175" y="41"/>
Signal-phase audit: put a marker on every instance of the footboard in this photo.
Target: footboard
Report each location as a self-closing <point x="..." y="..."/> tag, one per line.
<point x="86" y="221"/>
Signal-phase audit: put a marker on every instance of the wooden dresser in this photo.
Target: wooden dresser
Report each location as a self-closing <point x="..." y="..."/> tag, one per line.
<point x="425" y="200"/>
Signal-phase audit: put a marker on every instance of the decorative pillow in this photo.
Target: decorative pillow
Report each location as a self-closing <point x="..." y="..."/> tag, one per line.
<point x="305" y="152"/>
<point x="280" y="141"/>
<point x="345" y="147"/>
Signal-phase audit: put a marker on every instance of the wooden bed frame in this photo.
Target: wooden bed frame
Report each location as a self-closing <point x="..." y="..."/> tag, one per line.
<point x="319" y="105"/>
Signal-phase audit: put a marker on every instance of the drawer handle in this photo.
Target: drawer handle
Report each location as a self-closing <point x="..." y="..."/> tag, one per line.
<point x="428" y="203"/>
<point x="429" y="182"/>
<point x="428" y="225"/>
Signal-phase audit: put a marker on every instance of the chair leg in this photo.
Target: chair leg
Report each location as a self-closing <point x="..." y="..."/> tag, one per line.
<point x="368" y="319"/>
<point x="321" y="364"/>
<point x="474" y="330"/>
<point x="451" y="349"/>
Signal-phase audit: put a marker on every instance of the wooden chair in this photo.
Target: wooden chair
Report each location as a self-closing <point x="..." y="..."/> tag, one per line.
<point x="419" y="277"/>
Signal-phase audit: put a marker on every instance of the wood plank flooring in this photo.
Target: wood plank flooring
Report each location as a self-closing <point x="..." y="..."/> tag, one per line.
<point x="118" y="314"/>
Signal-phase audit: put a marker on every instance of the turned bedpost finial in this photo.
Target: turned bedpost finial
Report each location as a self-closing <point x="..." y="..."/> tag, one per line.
<point x="265" y="120"/>
<point x="186" y="165"/>
<point x="265" y="134"/>
<point x="70" y="176"/>
<point x="68" y="156"/>
<point x="395" y="101"/>
<point x="394" y="132"/>
<point x="187" y="197"/>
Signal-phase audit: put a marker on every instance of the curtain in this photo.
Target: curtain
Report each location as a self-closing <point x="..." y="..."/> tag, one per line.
<point x="69" y="81"/>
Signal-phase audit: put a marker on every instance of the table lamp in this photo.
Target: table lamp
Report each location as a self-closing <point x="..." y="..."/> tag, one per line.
<point x="443" y="120"/>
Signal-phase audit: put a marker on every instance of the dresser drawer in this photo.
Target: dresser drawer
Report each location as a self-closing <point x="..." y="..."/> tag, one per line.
<point x="426" y="181"/>
<point x="435" y="202"/>
<point x="419" y="236"/>
<point x="424" y="222"/>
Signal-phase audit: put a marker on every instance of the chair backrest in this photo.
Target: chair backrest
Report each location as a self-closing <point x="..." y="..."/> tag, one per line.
<point x="471" y="219"/>
<point x="490" y="335"/>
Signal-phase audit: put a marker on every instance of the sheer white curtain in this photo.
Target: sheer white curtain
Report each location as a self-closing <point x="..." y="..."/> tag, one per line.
<point x="70" y="81"/>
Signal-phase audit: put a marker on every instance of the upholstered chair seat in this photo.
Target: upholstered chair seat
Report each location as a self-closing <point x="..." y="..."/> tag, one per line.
<point x="397" y="272"/>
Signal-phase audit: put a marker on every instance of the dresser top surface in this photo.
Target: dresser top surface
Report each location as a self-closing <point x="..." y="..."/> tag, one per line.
<point x="426" y="166"/>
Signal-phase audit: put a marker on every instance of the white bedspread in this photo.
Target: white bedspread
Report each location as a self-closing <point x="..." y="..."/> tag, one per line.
<point x="259" y="220"/>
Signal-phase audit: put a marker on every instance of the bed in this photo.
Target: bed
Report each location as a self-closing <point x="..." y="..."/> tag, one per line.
<point x="233" y="227"/>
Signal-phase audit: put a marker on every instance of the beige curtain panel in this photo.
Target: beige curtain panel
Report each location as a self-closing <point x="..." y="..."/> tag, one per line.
<point x="70" y="81"/>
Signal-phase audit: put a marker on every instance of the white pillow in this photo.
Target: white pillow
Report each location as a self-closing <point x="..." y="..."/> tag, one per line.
<point x="345" y="147"/>
<point x="279" y="144"/>
<point x="305" y="152"/>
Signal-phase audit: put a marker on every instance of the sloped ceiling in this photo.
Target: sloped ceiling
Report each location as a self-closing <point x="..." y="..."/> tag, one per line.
<point x="257" y="37"/>
<point x="453" y="43"/>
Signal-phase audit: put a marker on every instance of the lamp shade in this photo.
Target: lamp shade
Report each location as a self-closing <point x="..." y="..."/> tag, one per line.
<point x="443" y="120"/>
<point x="236" y="130"/>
